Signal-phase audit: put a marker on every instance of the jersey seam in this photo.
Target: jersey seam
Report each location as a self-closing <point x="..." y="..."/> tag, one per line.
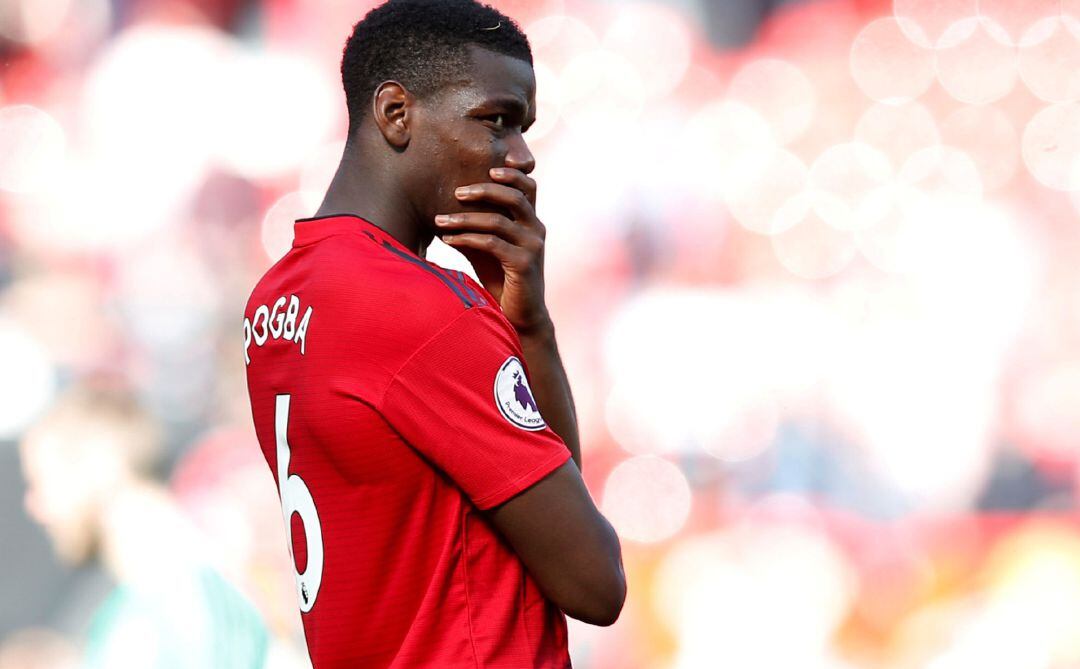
<point x="465" y="585"/>
<point x="421" y="347"/>
<point x="430" y="269"/>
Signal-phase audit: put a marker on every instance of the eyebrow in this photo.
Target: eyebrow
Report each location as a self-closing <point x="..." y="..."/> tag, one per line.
<point x="515" y="106"/>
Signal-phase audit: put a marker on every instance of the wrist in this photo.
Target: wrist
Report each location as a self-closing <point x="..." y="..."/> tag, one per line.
<point x="542" y="330"/>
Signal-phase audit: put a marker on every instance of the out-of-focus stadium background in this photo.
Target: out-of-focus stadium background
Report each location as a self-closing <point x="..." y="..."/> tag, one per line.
<point x="814" y="269"/>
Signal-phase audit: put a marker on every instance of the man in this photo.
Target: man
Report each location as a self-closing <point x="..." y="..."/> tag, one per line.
<point x="419" y="424"/>
<point x="89" y="481"/>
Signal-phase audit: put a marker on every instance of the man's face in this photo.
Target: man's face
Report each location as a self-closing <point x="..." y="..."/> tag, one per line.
<point x="471" y="126"/>
<point x="67" y="474"/>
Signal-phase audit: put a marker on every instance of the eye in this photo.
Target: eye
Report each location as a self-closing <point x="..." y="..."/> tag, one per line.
<point x="498" y="120"/>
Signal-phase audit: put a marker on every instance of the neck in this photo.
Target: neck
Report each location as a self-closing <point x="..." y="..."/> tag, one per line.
<point x="363" y="188"/>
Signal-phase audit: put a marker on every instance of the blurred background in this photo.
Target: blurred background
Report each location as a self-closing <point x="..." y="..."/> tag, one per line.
<point x="813" y="267"/>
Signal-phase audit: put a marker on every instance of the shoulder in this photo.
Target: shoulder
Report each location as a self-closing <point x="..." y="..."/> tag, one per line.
<point x="389" y="292"/>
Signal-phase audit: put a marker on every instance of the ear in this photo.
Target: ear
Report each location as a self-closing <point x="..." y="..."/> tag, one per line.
<point x="392" y="109"/>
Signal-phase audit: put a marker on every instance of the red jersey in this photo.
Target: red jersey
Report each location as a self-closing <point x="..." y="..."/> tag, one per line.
<point x="391" y="400"/>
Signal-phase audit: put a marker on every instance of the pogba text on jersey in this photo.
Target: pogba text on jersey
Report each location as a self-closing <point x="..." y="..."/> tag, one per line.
<point x="277" y="322"/>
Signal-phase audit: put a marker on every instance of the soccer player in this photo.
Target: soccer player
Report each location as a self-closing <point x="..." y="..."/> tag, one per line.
<point x="419" y="424"/>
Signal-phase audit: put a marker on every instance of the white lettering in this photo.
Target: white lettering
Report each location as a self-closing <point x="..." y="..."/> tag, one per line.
<point x="277" y="319"/>
<point x="278" y="323"/>
<point x="260" y="338"/>
<point x="290" y="317"/>
<point x="301" y="331"/>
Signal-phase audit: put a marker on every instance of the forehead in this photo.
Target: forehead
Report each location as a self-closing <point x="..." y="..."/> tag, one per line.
<point x="495" y="75"/>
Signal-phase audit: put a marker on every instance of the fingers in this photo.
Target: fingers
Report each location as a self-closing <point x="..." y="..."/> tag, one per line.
<point x="516" y="179"/>
<point x="495" y="224"/>
<point x="513" y="200"/>
<point x="508" y="254"/>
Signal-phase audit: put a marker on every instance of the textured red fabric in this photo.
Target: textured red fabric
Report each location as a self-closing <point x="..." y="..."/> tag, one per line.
<point x="394" y="434"/>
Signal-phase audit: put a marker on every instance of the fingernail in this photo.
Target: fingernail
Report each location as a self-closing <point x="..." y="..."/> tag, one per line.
<point x="463" y="191"/>
<point x="498" y="172"/>
<point x="442" y="219"/>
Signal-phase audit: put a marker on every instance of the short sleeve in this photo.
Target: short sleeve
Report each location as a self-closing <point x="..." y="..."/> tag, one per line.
<point x="463" y="400"/>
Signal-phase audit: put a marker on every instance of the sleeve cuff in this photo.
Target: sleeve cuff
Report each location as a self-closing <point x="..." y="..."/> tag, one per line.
<point x="523" y="482"/>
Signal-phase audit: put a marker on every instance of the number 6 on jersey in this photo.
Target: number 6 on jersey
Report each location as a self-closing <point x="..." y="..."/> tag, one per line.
<point x="296" y="498"/>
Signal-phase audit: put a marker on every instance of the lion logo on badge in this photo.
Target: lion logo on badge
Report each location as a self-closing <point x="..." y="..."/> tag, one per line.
<point x="514" y="397"/>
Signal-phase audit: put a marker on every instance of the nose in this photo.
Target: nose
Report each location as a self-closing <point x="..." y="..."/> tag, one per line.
<point x="518" y="155"/>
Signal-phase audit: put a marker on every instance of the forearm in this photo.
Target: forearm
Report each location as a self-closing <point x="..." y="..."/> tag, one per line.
<point x="551" y="388"/>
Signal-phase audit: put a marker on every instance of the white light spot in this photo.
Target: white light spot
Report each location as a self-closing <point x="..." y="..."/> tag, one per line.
<point x="150" y="129"/>
<point x="989" y="139"/>
<point x="28" y="382"/>
<point x="851" y="175"/>
<point x="646" y="498"/>
<point x="813" y="248"/>
<point x="897" y="130"/>
<point x="978" y="65"/>
<point x="318" y="171"/>
<point x="780" y="93"/>
<point x="655" y="41"/>
<point x="895" y="242"/>
<point x="887" y="66"/>
<point x="32" y="21"/>
<point x="274" y="95"/>
<point x="1046" y="408"/>
<point x="32" y="147"/>
<point x="1050" y="59"/>
<point x="732" y="147"/>
<point x="277" y="225"/>
<point x="1051" y="146"/>
<point x="756" y="204"/>
<point x="943" y="174"/>
<point x="729" y="596"/>
<point x="925" y="21"/>
<point x="595" y="83"/>
<point x="1016" y="17"/>
<point x="557" y="40"/>
<point x="669" y="404"/>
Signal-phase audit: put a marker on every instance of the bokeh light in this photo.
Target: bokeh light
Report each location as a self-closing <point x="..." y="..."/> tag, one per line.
<point x="655" y="41"/>
<point x="779" y="92"/>
<point x="814" y="247"/>
<point x="728" y="594"/>
<point x="646" y="498"/>
<point x="732" y="145"/>
<point x="897" y="130"/>
<point x="1049" y="59"/>
<point x="1016" y="17"/>
<point x="32" y="147"/>
<point x="848" y="180"/>
<point x="757" y="204"/>
<point x="32" y="21"/>
<point x="887" y="65"/>
<point x="29" y="381"/>
<point x="277" y="224"/>
<point x="1051" y="146"/>
<point x="986" y="135"/>
<point x="273" y="95"/>
<point x="925" y="22"/>
<point x="976" y="63"/>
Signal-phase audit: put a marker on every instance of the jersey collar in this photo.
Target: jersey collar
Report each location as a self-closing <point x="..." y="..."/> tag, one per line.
<point x="310" y="230"/>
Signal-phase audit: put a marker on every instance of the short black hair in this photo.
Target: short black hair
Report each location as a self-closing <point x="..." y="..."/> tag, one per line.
<point x="422" y="44"/>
